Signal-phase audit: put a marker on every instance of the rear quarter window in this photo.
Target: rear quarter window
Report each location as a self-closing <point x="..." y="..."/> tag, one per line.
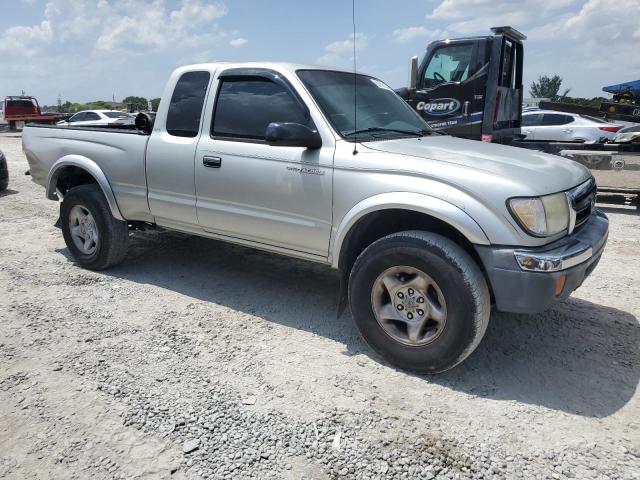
<point x="556" y="119"/>
<point x="185" y="109"/>
<point x="531" y="120"/>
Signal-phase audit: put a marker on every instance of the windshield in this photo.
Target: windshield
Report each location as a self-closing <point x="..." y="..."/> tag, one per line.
<point x="381" y="113"/>
<point x="116" y="114"/>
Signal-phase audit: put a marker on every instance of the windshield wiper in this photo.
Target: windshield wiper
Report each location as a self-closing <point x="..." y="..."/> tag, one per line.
<point x="418" y="133"/>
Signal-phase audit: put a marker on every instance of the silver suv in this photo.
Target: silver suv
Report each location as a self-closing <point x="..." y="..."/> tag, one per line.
<point x="429" y="231"/>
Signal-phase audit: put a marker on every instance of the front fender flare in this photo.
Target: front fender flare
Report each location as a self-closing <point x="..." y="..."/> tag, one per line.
<point x="92" y="169"/>
<point x="438" y="208"/>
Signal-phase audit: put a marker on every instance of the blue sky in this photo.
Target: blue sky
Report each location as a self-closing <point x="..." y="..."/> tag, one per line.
<point x="92" y="49"/>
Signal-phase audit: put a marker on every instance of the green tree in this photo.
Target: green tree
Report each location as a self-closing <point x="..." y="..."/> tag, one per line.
<point x="587" y="102"/>
<point x="65" y="107"/>
<point x="68" y="107"/>
<point x="154" y="104"/>
<point x="139" y="103"/>
<point x="548" y="87"/>
<point x="97" y="105"/>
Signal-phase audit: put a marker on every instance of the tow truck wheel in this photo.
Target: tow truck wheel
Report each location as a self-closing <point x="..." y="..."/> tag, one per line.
<point x="12" y="126"/>
<point x="94" y="237"/>
<point x="419" y="300"/>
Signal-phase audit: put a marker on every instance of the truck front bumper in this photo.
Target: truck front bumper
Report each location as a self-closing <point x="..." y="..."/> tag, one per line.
<point x="530" y="280"/>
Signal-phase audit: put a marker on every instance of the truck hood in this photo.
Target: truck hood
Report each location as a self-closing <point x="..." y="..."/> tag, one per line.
<point x="531" y="172"/>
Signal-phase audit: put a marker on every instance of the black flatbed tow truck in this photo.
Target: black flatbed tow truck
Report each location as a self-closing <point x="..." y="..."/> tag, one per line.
<point x="470" y="87"/>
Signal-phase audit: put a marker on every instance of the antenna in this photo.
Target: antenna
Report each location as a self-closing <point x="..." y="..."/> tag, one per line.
<point x="355" y="80"/>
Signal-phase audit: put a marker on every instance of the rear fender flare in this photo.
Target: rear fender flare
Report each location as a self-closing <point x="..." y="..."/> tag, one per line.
<point x="92" y="169"/>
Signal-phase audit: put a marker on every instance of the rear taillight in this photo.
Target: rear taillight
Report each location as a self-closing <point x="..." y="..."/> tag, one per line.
<point x="487" y="137"/>
<point x="610" y="129"/>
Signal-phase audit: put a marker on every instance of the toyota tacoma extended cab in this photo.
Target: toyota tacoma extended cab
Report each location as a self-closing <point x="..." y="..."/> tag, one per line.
<point x="429" y="231"/>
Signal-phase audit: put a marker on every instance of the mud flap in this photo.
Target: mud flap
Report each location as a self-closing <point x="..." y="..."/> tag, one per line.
<point x="58" y="223"/>
<point x="344" y="293"/>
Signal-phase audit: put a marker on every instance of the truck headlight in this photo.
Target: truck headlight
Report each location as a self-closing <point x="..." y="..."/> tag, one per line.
<point x="541" y="216"/>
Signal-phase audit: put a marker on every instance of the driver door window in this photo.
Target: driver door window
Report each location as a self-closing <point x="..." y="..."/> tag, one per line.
<point x="450" y="63"/>
<point x="267" y="101"/>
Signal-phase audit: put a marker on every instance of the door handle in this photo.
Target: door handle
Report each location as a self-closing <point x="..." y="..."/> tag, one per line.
<point x="211" y="162"/>
<point x="465" y="109"/>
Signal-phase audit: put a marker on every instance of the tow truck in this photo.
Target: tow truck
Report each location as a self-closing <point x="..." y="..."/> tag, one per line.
<point x="470" y="87"/>
<point x="19" y="110"/>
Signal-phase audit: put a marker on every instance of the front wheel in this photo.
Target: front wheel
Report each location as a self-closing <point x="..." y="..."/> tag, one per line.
<point x="94" y="237"/>
<point x="419" y="300"/>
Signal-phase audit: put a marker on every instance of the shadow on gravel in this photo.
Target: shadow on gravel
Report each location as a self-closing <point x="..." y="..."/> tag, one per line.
<point x="579" y="357"/>
<point x="7" y="192"/>
<point x="626" y="209"/>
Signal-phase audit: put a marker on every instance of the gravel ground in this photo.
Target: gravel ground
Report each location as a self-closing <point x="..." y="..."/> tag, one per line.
<point x="197" y="359"/>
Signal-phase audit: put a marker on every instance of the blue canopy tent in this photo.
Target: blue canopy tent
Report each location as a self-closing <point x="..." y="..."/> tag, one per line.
<point x="628" y="88"/>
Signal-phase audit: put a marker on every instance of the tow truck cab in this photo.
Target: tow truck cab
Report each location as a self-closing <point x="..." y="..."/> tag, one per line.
<point x="19" y="110"/>
<point x="470" y="87"/>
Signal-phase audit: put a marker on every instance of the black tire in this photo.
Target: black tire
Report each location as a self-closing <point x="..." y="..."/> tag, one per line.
<point x="113" y="234"/>
<point x="12" y="126"/>
<point x="461" y="284"/>
<point x="4" y="173"/>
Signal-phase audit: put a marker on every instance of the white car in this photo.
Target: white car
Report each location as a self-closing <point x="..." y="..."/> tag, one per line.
<point x="628" y="134"/>
<point x="96" y="117"/>
<point x="565" y="127"/>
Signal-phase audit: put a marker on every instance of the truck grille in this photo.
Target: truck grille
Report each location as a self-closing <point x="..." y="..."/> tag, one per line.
<point x="582" y="199"/>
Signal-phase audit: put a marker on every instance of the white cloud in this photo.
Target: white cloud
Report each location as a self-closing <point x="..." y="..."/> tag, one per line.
<point x="154" y="27"/>
<point x="405" y="35"/>
<point x="238" y="42"/>
<point x="341" y="51"/>
<point x="26" y="41"/>
<point x="194" y="12"/>
<point x="472" y="16"/>
<point x="98" y="47"/>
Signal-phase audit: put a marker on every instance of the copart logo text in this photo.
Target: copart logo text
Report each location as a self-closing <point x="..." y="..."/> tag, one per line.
<point x="439" y="106"/>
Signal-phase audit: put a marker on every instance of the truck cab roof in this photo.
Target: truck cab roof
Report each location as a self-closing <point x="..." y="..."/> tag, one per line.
<point x="277" y="66"/>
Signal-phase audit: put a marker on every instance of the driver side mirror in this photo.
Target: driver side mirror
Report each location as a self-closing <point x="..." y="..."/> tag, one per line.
<point x="413" y="73"/>
<point x="289" y="134"/>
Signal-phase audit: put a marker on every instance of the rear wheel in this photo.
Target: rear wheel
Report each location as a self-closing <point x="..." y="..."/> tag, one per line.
<point x="419" y="300"/>
<point x="94" y="237"/>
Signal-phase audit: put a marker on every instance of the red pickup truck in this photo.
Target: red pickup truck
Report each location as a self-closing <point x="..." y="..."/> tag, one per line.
<point x="18" y="110"/>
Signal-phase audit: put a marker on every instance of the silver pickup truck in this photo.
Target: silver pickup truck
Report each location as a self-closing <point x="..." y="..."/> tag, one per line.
<point x="429" y="231"/>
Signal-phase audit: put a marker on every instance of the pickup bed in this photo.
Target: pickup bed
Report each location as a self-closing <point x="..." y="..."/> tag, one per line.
<point x="429" y="231"/>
